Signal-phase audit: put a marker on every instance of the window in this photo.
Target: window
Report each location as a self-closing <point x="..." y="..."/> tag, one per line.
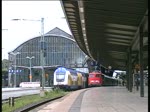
<point x="97" y="75"/>
<point x="91" y="75"/>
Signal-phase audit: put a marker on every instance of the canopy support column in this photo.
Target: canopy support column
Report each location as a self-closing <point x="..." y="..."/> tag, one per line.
<point x="141" y="62"/>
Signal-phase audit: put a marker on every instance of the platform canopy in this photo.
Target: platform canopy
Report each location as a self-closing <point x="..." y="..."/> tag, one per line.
<point x="106" y="29"/>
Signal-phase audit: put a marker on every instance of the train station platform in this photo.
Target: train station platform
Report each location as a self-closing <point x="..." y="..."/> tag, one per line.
<point x="99" y="99"/>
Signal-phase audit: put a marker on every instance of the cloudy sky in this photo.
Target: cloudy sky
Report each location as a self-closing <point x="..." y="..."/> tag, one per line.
<point x="15" y="33"/>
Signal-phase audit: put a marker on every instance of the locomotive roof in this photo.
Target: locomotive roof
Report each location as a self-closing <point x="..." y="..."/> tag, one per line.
<point x="96" y="71"/>
<point x="72" y="70"/>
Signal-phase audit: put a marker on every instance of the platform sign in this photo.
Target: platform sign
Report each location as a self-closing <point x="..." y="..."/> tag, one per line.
<point x="13" y="71"/>
<point x="29" y="84"/>
<point x="10" y="71"/>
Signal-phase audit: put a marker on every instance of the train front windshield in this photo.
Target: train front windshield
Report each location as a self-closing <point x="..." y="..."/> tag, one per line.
<point x="91" y="75"/>
<point x="60" y="76"/>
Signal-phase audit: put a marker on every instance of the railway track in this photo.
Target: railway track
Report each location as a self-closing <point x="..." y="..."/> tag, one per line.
<point x="35" y="105"/>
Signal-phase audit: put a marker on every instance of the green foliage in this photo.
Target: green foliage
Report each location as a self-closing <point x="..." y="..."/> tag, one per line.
<point x="25" y="100"/>
<point x="4" y="72"/>
<point x="5" y="64"/>
<point x="57" y="90"/>
<point x="46" y="93"/>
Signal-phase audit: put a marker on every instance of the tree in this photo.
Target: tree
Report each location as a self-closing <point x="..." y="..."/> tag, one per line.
<point x="4" y="77"/>
<point x="5" y="64"/>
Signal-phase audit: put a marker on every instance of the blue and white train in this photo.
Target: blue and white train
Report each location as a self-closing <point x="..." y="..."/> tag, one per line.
<point x="70" y="79"/>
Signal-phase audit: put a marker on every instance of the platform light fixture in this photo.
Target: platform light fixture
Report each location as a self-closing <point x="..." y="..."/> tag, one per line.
<point x="15" y="54"/>
<point x="30" y="59"/>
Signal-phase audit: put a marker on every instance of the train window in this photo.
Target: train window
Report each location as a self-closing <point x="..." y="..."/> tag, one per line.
<point x="60" y="75"/>
<point x="91" y="75"/>
<point x="97" y="75"/>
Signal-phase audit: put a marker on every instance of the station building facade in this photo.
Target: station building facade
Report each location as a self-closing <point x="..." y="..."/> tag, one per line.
<point x="61" y="49"/>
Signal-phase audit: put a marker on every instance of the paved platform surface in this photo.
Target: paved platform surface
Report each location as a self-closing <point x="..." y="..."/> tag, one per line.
<point x="113" y="99"/>
<point x="99" y="99"/>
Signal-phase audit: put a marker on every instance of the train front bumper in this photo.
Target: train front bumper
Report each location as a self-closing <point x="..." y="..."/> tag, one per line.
<point x="94" y="83"/>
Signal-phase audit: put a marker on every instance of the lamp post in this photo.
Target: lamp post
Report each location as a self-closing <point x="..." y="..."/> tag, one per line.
<point x="30" y="75"/>
<point x="43" y="53"/>
<point x="15" y="54"/>
<point x="43" y="48"/>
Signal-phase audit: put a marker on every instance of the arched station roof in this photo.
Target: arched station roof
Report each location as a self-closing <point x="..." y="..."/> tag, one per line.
<point x="57" y="32"/>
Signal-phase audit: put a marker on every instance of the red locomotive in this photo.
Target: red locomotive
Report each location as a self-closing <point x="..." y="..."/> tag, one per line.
<point x="95" y="78"/>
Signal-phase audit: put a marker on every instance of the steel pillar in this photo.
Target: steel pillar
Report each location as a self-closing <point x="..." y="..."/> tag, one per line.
<point x="141" y="62"/>
<point x="130" y="69"/>
<point x="127" y="78"/>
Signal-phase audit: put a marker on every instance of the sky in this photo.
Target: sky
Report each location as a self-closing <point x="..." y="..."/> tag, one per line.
<point x="14" y="33"/>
